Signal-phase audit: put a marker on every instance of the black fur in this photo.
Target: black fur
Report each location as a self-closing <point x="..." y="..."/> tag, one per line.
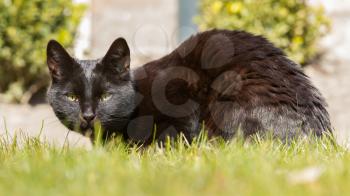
<point x="224" y="80"/>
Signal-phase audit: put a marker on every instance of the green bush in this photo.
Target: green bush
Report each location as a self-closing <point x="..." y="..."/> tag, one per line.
<point x="25" y="28"/>
<point x="292" y="25"/>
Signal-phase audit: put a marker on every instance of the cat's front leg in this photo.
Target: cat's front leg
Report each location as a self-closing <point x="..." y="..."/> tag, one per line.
<point x="172" y="128"/>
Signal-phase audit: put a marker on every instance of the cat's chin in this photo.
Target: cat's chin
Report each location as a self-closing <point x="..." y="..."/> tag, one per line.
<point x="84" y="126"/>
<point x="88" y="133"/>
<point x="86" y="129"/>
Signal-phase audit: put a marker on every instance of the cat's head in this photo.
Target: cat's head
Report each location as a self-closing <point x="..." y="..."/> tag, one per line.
<point x="83" y="92"/>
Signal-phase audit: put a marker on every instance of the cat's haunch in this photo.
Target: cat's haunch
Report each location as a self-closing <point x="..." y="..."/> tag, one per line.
<point x="219" y="80"/>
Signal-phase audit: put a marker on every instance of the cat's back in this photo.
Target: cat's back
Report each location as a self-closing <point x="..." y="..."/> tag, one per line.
<point x="213" y="52"/>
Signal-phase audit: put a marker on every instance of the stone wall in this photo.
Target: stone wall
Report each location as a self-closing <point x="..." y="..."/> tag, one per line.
<point x="148" y="26"/>
<point x="337" y="43"/>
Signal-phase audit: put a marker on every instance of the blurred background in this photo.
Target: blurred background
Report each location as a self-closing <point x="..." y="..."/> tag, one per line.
<point x="314" y="33"/>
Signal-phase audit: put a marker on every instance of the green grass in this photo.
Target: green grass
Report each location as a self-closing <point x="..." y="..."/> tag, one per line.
<point x="257" y="167"/>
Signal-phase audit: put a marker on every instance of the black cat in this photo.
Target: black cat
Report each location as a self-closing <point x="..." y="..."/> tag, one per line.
<point x="221" y="80"/>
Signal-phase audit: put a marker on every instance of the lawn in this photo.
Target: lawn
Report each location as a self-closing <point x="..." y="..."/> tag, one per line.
<point x="255" y="167"/>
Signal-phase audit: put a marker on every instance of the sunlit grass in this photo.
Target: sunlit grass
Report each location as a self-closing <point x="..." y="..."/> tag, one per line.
<point x="255" y="167"/>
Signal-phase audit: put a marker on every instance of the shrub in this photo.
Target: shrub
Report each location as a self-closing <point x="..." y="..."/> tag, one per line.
<point x="292" y="25"/>
<point x="25" y="28"/>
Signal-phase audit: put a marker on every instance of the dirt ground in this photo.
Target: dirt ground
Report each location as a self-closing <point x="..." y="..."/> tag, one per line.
<point x="38" y="120"/>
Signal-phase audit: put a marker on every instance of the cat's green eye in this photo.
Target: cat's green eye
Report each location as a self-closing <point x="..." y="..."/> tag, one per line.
<point x="105" y="97"/>
<point x="72" y="97"/>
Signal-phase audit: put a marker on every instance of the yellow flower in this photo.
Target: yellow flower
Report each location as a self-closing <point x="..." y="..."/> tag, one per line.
<point x="283" y="12"/>
<point x="234" y="7"/>
<point x="298" y="40"/>
<point x="216" y="7"/>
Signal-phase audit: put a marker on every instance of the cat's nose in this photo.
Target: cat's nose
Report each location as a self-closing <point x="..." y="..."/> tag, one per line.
<point x="89" y="116"/>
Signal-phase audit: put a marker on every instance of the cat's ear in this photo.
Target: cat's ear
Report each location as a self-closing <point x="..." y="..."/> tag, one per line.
<point x="58" y="59"/>
<point x="118" y="56"/>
